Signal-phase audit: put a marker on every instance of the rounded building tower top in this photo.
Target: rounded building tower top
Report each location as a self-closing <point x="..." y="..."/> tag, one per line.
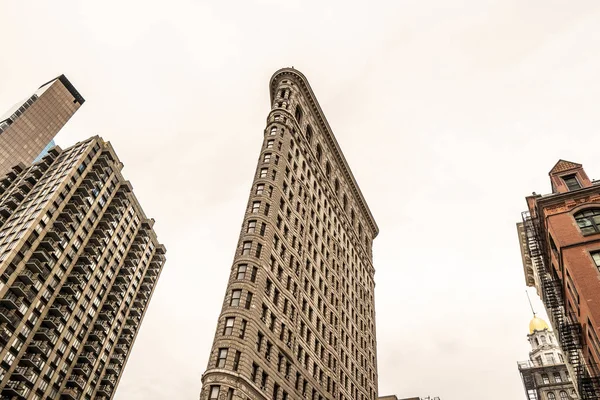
<point x="537" y="324"/>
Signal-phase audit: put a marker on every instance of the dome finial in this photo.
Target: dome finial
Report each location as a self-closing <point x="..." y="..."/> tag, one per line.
<point x="530" y="305"/>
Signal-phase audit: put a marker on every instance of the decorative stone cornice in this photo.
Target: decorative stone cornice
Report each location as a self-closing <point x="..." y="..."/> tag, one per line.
<point x="302" y="82"/>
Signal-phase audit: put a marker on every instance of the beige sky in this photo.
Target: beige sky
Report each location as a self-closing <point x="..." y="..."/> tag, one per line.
<point x="449" y="113"/>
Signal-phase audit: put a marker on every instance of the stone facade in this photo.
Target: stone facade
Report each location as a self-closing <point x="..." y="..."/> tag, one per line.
<point x="545" y="375"/>
<point x="28" y="128"/>
<point x="79" y="261"/>
<point x="298" y="318"/>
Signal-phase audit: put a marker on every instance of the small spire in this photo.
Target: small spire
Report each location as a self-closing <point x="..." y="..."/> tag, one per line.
<point x="530" y="305"/>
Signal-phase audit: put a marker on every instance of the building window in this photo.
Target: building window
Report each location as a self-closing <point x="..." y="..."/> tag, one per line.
<point x="235" y="297"/>
<point x="270" y="144"/>
<point x="259" y="189"/>
<point x="246" y="248"/>
<point x="596" y="257"/>
<point x="563" y="395"/>
<point x="248" y="301"/>
<point x="236" y="360"/>
<point x="319" y="153"/>
<point x="551" y="396"/>
<point x="571" y="182"/>
<point x="230" y="394"/>
<point x="588" y="221"/>
<point x="545" y="379"/>
<point x="241" y="271"/>
<point x="557" y="377"/>
<point x="267" y="158"/>
<point x="222" y="357"/>
<point x="228" y="326"/>
<point x="328" y="170"/>
<point x="243" y="329"/>
<point x="298" y="114"/>
<point x="273" y="131"/>
<point x="309" y="134"/>
<point x="263" y="172"/>
<point x="255" y="206"/>
<point x="258" y="250"/>
<point x="214" y="393"/>
<point x="251" y="226"/>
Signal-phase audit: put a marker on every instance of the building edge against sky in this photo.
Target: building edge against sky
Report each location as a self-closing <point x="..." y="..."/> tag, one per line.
<point x="298" y="318"/>
<point x="29" y="126"/>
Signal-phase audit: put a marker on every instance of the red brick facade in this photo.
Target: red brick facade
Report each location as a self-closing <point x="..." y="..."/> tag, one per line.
<point x="567" y="250"/>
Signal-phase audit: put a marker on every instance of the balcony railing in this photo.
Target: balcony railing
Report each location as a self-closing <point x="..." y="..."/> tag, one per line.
<point x="71" y="393"/>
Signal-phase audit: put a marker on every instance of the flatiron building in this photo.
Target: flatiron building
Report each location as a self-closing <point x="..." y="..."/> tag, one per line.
<point x="298" y="316"/>
<point x="79" y="261"/>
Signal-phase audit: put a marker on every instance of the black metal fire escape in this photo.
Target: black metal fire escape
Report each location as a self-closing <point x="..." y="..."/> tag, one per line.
<point x="567" y="326"/>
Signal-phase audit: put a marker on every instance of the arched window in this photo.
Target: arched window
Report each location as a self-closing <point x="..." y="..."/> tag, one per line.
<point x="298" y="114"/>
<point x="551" y="396"/>
<point x="336" y="185"/>
<point x="345" y="202"/>
<point x="319" y="152"/>
<point x="588" y="220"/>
<point x="309" y="134"/>
<point x="328" y="170"/>
<point x="563" y="395"/>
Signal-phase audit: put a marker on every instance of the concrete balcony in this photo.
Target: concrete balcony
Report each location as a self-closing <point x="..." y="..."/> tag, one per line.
<point x="93" y="346"/>
<point x="71" y="288"/>
<point x="123" y="276"/>
<point x="9" y="317"/>
<point x="35" y="265"/>
<point x="48" y="244"/>
<point x="119" y="359"/>
<point x="20" y="289"/>
<point x="129" y="329"/>
<point x="121" y="348"/>
<point x="98" y="335"/>
<point x="113" y="368"/>
<point x="53" y="322"/>
<point x="15" y="389"/>
<point x="46" y="334"/>
<point x="5" y="333"/>
<point x="77" y="380"/>
<point x="39" y="347"/>
<point x="32" y="360"/>
<point x="65" y="300"/>
<point x="82" y="369"/>
<point x="71" y="393"/>
<point x="62" y="312"/>
<point x="111" y="305"/>
<point x="87" y="358"/>
<point x="103" y="325"/>
<point x="135" y="312"/>
<point x="11" y="301"/>
<point x="106" y="316"/>
<point x="105" y="390"/>
<point x="110" y="379"/>
<point x="126" y="339"/>
<point x="29" y="277"/>
<point x="23" y="374"/>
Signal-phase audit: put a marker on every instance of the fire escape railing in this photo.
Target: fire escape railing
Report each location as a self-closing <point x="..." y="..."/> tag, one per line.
<point x="567" y="326"/>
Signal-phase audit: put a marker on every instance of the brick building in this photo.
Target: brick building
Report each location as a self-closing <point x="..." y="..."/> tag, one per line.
<point x="79" y="261"/>
<point x="28" y="128"/>
<point x="298" y="318"/>
<point x="562" y="249"/>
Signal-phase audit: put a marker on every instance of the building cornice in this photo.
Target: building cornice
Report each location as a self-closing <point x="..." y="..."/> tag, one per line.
<point x="302" y="82"/>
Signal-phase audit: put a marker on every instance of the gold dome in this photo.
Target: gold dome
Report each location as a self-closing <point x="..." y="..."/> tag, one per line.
<point x="537" y="324"/>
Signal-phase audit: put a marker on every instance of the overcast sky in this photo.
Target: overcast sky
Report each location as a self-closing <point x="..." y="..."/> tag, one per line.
<point x="448" y="112"/>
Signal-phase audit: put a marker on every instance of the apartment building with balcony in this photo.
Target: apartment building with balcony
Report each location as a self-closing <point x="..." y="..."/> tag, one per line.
<point x="79" y="261"/>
